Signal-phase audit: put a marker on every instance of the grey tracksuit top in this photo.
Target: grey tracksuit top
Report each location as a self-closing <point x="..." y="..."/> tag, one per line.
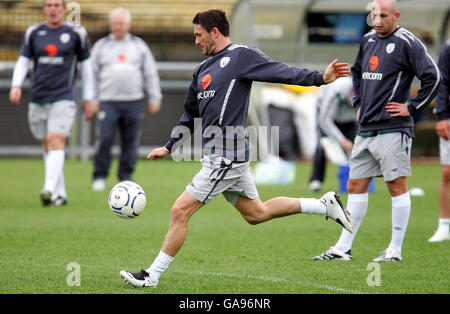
<point x="124" y="69"/>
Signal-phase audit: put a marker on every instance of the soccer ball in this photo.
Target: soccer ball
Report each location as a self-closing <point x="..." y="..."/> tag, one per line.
<point x="127" y="199"/>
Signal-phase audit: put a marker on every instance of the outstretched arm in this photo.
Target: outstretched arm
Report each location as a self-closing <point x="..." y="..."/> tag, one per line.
<point x="158" y="153"/>
<point x="257" y="66"/>
<point x="334" y="71"/>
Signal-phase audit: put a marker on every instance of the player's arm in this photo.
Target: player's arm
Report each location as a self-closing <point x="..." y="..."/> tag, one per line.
<point x="442" y="102"/>
<point x="356" y="81"/>
<point x="327" y="113"/>
<point x="152" y="82"/>
<point x="184" y="127"/>
<point x="87" y="76"/>
<point x="19" y="75"/>
<point x="22" y="65"/>
<point x="82" y="50"/>
<point x="427" y="72"/>
<point x="257" y="66"/>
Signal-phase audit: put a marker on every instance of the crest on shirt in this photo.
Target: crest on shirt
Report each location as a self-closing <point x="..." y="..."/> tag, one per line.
<point x="64" y="38"/>
<point x="390" y="47"/>
<point x="224" y="62"/>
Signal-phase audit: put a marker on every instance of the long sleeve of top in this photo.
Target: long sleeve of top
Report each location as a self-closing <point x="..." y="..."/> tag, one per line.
<point x="20" y="71"/>
<point x="383" y="72"/>
<point x="334" y="106"/>
<point x="219" y="95"/>
<point x="442" y="101"/>
<point x="87" y="79"/>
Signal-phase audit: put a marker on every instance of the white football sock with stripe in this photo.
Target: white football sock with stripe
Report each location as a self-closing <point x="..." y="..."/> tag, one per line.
<point x="357" y="206"/>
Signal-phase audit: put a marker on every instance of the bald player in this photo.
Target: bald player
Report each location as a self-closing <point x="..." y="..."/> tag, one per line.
<point x="388" y="59"/>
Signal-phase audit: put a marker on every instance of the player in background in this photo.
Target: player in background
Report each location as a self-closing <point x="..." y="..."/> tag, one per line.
<point x="55" y="47"/>
<point x="124" y="68"/>
<point x="219" y="95"/>
<point x="388" y="59"/>
<point x="442" y="111"/>
<point x="336" y="120"/>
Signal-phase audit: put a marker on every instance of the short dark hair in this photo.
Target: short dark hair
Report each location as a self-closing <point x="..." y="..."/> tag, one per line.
<point x="63" y="2"/>
<point x="213" y="18"/>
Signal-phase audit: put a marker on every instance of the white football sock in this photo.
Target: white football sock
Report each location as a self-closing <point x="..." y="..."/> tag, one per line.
<point x="401" y="208"/>
<point x="45" y="156"/>
<point x="61" y="186"/>
<point x="53" y="169"/>
<point x="444" y="224"/>
<point x="357" y="206"/>
<point x="312" y="206"/>
<point x="160" y="265"/>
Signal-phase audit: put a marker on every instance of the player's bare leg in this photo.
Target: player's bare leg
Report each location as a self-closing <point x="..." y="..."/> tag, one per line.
<point x="254" y="211"/>
<point x="183" y="209"/>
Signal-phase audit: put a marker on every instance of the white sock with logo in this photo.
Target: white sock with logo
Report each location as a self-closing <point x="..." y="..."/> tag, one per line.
<point x="401" y="208"/>
<point x="53" y="169"/>
<point x="160" y="265"/>
<point x="357" y="206"/>
<point x="312" y="206"/>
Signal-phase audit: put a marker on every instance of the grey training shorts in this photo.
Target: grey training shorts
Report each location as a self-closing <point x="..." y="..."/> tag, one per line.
<point x="444" y="151"/>
<point x="220" y="175"/>
<point x="56" y="117"/>
<point x="387" y="155"/>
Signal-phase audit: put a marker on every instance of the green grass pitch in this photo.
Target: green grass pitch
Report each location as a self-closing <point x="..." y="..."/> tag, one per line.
<point x="222" y="253"/>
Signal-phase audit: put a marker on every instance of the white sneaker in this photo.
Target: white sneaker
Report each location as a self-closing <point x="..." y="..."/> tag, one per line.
<point x="99" y="185"/>
<point x="388" y="256"/>
<point x="439" y="236"/>
<point x="140" y="279"/>
<point x="334" y="253"/>
<point x="336" y="211"/>
<point x="315" y="186"/>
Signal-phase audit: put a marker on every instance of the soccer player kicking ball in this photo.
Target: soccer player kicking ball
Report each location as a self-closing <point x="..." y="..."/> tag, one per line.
<point x="219" y="95"/>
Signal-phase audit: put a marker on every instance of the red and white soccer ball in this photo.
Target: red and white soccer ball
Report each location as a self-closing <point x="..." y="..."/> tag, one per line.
<point x="127" y="199"/>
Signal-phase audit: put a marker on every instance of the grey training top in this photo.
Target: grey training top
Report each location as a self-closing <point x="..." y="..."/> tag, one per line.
<point x="124" y="69"/>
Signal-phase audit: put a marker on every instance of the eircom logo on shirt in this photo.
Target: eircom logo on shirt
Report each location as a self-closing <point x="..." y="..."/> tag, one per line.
<point x="51" y="57"/>
<point x="373" y="65"/>
<point x="206" y="80"/>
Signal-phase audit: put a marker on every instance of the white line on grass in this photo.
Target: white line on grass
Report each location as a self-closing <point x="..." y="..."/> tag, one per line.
<point x="200" y="273"/>
<point x="271" y="279"/>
